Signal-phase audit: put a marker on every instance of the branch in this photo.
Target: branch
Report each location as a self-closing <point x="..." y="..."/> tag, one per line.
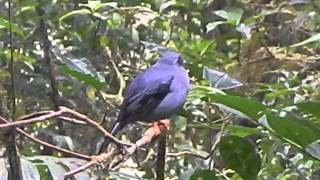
<point x="36" y="140"/>
<point x="151" y="133"/>
<point x="63" y="113"/>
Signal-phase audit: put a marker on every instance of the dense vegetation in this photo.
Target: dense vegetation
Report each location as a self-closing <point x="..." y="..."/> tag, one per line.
<point x="260" y="120"/>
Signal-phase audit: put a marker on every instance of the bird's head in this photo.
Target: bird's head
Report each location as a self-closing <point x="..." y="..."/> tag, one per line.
<point x="171" y="58"/>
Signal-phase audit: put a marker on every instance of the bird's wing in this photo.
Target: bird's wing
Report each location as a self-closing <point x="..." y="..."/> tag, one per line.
<point x="144" y="98"/>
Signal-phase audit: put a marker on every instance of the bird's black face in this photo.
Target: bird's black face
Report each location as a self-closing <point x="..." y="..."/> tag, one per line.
<point x="181" y="61"/>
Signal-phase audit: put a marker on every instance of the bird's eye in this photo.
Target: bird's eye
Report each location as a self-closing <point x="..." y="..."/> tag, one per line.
<point x="180" y="60"/>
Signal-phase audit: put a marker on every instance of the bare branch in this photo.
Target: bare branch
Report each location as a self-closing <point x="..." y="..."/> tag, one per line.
<point x="151" y="133"/>
<point x="36" y="140"/>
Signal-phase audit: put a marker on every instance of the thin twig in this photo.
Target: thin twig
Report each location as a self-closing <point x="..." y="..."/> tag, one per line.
<point x="92" y="123"/>
<point x="215" y="145"/>
<point x="183" y="153"/>
<point x="56" y="114"/>
<point x="36" y="140"/>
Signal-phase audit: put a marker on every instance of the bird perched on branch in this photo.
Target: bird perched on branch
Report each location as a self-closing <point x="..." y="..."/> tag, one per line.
<point x="156" y="94"/>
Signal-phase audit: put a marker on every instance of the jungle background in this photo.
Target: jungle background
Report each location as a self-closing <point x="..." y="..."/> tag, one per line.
<point x="260" y="120"/>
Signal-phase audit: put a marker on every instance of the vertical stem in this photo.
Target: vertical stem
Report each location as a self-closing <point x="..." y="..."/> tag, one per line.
<point x="14" y="169"/>
<point x="54" y="95"/>
<point x="11" y="67"/>
<point x="161" y="157"/>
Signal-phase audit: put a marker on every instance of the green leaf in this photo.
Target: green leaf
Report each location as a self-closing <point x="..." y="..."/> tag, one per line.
<point x="198" y="92"/>
<point x="203" y="174"/>
<point x="205" y="49"/>
<point x="235" y="130"/>
<point x="312" y="107"/>
<point x="58" y="166"/>
<point x="29" y="170"/>
<point x="75" y="12"/>
<point x="309" y="40"/>
<point x="314" y="149"/>
<point x="231" y="14"/>
<point x="248" y="107"/>
<point x="239" y="154"/>
<point x="86" y="78"/>
<point x="211" y="26"/>
<point x="113" y="5"/>
<point x="298" y="131"/>
<point x="4" y="24"/>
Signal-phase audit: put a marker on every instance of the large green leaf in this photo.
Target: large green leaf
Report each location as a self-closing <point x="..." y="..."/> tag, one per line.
<point x="211" y="26"/>
<point x="307" y="41"/>
<point x="83" y="71"/>
<point x="86" y="78"/>
<point x="311" y="107"/>
<point x="231" y="14"/>
<point x="235" y="130"/>
<point x="166" y="5"/>
<point x="248" y="107"/>
<point x="299" y="131"/>
<point x="4" y="24"/>
<point x="75" y="12"/>
<point x="239" y="154"/>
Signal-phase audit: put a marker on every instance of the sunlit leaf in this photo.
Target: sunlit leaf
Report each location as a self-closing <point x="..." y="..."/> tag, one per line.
<point x="211" y="26"/>
<point x="314" y="149"/>
<point x="231" y="14"/>
<point x="166" y="5"/>
<point x="74" y="13"/>
<point x="235" y="130"/>
<point x="248" y="107"/>
<point x="307" y="41"/>
<point x="29" y="171"/>
<point x="220" y="80"/>
<point x="239" y="154"/>
<point x="4" y="24"/>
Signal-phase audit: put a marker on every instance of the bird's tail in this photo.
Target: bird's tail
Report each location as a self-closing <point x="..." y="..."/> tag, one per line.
<point x="115" y="129"/>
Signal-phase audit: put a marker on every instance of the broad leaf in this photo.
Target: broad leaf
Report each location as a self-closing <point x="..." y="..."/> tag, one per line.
<point x="219" y="79"/>
<point x="4" y="24"/>
<point x="250" y="108"/>
<point x="231" y="14"/>
<point x="86" y="78"/>
<point x="29" y="170"/>
<point x="235" y="130"/>
<point x="314" y="149"/>
<point x="211" y="26"/>
<point x="239" y="154"/>
<point x="299" y="131"/>
<point x="75" y="12"/>
<point x="166" y="5"/>
<point x="307" y="41"/>
<point x="311" y="107"/>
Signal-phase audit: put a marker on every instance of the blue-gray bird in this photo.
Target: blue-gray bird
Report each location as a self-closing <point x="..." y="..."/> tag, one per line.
<point x="155" y="94"/>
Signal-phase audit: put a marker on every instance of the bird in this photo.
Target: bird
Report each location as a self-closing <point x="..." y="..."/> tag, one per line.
<point x="155" y="94"/>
